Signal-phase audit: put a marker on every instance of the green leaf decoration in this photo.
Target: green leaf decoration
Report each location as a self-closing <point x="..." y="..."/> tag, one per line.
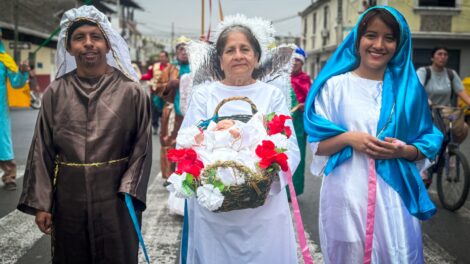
<point x="270" y="116"/>
<point x="280" y="150"/>
<point x="219" y="185"/>
<point x="212" y="174"/>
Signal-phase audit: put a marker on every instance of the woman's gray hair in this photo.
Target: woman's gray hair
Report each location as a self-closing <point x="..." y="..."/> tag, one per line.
<point x="222" y="40"/>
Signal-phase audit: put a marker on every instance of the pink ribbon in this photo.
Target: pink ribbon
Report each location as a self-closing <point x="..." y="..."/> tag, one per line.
<point x="298" y="221"/>
<point x="371" y="203"/>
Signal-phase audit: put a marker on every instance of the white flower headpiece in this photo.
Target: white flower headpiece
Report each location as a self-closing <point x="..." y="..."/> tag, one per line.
<point x="261" y="29"/>
<point x="274" y="62"/>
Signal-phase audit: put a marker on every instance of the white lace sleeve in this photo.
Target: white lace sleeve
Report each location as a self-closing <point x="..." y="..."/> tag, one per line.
<point x="186" y="83"/>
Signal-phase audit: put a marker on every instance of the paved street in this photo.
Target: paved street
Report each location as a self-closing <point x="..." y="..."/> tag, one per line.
<point x="445" y="236"/>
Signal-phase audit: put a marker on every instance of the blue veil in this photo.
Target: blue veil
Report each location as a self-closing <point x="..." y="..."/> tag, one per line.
<point x="404" y="115"/>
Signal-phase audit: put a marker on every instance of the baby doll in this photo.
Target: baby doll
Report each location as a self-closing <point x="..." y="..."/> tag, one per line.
<point x="225" y="140"/>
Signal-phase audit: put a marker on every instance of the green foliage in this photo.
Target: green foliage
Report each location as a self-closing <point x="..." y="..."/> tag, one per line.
<point x="270" y="116"/>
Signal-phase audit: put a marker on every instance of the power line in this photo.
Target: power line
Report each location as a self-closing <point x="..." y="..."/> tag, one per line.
<point x="284" y="19"/>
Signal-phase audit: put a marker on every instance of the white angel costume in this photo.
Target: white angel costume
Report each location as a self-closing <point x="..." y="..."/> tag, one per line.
<point x="261" y="235"/>
<point x="354" y="103"/>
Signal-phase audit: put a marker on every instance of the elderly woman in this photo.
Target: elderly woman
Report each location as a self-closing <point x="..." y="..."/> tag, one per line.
<point x="263" y="234"/>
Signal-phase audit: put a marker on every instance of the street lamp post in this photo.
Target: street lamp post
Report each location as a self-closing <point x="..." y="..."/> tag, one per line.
<point x="16" y="50"/>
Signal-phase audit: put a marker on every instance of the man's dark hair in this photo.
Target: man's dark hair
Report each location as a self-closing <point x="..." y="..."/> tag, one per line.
<point x="76" y="25"/>
<point x="438" y="48"/>
<point x="166" y="53"/>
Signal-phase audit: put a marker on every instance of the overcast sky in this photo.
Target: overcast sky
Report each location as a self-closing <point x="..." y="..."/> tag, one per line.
<point x="186" y="15"/>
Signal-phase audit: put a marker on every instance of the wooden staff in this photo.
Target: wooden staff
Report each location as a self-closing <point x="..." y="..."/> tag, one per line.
<point x="202" y="18"/>
<point x="221" y="13"/>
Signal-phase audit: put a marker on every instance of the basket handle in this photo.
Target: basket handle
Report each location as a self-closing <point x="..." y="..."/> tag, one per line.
<point x="254" y="110"/>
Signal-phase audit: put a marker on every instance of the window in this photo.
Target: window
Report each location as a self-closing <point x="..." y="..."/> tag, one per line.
<point x="326" y="12"/>
<point x="314" y="27"/>
<point x="305" y="27"/>
<point x="437" y="3"/>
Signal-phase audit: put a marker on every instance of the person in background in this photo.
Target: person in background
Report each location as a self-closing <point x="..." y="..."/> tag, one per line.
<point x="17" y="77"/>
<point x="301" y="83"/>
<point x="90" y="157"/>
<point x="168" y="88"/>
<point x="35" y="90"/>
<point x="443" y="86"/>
<point x="368" y="123"/>
<point x="153" y="75"/>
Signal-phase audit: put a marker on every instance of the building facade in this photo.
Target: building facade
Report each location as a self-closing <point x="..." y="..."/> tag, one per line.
<point x="432" y="23"/>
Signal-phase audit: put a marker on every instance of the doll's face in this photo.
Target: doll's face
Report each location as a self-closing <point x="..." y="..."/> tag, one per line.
<point x="377" y="46"/>
<point x="224" y="125"/>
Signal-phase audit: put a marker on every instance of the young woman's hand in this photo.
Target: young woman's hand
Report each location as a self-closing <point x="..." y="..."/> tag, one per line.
<point x="390" y="148"/>
<point x="361" y="141"/>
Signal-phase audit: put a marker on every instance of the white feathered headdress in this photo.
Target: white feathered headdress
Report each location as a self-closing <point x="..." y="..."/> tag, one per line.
<point x="274" y="62"/>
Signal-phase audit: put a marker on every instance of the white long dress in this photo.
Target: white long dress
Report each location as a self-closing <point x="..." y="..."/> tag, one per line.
<point x="354" y="103"/>
<point x="257" y="236"/>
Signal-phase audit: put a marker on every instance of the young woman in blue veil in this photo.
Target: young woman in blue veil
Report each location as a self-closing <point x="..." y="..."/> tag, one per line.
<point x="368" y="124"/>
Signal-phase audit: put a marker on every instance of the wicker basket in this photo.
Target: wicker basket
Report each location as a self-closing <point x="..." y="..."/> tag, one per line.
<point x="257" y="184"/>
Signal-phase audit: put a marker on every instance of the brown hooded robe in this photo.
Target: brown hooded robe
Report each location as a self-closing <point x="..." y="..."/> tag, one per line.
<point x="87" y="122"/>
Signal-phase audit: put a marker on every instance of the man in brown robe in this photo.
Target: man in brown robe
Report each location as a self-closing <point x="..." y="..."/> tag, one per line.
<point x="172" y="117"/>
<point x="91" y="146"/>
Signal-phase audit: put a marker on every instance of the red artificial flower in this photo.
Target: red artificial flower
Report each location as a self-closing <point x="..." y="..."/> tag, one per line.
<point x="192" y="167"/>
<point x="187" y="161"/>
<point x="266" y="149"/>
<point x="268" y="154"/>
<point x="175" y="155"/>
<point x="277" y="125"/>
<point x="281" y="159"/>
<point x="288" y="132"/>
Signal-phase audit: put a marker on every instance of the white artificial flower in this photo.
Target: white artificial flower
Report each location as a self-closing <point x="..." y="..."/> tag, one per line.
<point x="210" y="197"/>
<point x="279" y="140"/>
<point x="176" y="186"/>
<point x="226" y="176"/>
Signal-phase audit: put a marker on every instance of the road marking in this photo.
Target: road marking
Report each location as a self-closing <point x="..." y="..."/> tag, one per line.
<point x="161" y="230"/>
<point x="435" y="254"/>
<point x="18" y="233"/>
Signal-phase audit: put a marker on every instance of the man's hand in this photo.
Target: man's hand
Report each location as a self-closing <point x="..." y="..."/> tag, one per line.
<point x="44" y="222"/>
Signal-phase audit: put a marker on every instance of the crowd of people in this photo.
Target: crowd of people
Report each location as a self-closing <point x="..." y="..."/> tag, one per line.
<point x="366" y="118"/>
